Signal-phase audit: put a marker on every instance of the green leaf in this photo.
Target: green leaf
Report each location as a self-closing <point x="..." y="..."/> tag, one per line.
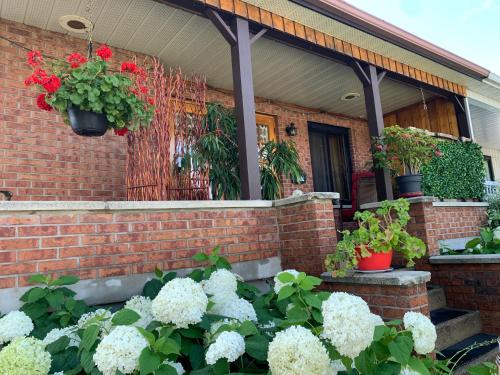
<point x="256" y="346"/>
<point x="309" y="283"/>
<point x="166" y="370"/>
<point x="297" y="314"/>
<point x="313" y="300"/>
<point x="158" y="273"/>
<point x="125" y="317"/>
<point x="192" y="332"/>
<point x="486" y="368"/>
<point x="150" y="337"/>
<point x="87" y="361"/>
<point x="365" y="361"/>
<point x="286" y="277"/>
<point x="58" y="346"/>
<point x="152" y="288"/>
<point x="247" y="328"/>
<point x="65" y="280"/>
<point x="419" y="366"/>
<point x="166" y="345"/>
<point x="39" y="279"/>
<point x="387" y="368"/>
<point x="221" y="367"/>
<point x="148" y="361"/>
<point x="55" y="299"/>
<point x="90" y="336"/>
<point x="34" y="294"/>
<point x="200" y="257"/>
<point x="401" y="349"/>
<point x="286" y="292"/>
<point x="380" y="332"/>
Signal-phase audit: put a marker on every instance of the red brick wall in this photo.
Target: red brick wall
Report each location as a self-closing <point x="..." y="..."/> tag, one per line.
<point x="434" y="223"/>
<point x="472" y="287"/>
<point x="102" y="243"/>
<point x="285" y="114"/>
<point x="307" y="235"/>
<point x="41" y="159"/>
<point x="388" y="301"/>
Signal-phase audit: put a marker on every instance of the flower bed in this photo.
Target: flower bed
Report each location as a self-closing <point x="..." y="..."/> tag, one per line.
<point x="212" y="322"/>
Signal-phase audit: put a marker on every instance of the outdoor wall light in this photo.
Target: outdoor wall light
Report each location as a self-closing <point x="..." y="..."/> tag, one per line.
<point x="291" y="130"/>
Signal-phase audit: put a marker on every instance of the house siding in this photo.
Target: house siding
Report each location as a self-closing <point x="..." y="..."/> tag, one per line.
<point x="42" y="159"/>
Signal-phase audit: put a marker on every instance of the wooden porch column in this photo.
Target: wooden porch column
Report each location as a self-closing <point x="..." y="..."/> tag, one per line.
<point x="463" y="116"/>
<point x="238" y="36"/>
<point x="371" y="79"/>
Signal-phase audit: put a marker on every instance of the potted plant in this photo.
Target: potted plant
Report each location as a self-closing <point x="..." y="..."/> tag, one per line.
<point x="90" y="97"/>
<point x="404" y="151"/>
<point x="380" y="233"/>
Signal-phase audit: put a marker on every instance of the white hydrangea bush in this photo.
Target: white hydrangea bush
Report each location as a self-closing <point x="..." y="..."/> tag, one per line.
<point x="211" y="319"/>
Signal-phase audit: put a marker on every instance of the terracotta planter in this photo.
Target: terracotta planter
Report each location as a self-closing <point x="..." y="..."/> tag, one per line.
<point x="375" y="262"/>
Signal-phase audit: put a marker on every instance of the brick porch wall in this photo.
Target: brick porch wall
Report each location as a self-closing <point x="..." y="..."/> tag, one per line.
<point x="41" y="158"/>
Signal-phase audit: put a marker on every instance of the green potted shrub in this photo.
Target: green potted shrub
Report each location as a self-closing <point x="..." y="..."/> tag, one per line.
<point x="404" y="151"/>
<point x="90" y="97"/>
<point x="380" y="233"/>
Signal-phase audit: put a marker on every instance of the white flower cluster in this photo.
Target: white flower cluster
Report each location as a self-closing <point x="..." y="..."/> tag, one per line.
<point x="57" y="333"/>
<point x="296" y="351"/>
<point x="278" y="284"/>
<point x="347" y="323"/>
<point x="335" y="367"/>
<point x="222" y="285"/>
<point x="408" y="371"/>
<point x="422" y="330"/>
<point x="220" y="281"/>
<point x="231" y="306"/>
<point x="120" y="350"/>
<point x="102" y="318"/>
<point x="176" y="365"/>
<point x="377" y="320"/>
<point x="229" y="345"/>
<point x="14" y="324"/>
<point x="23" y="356"/>
<point x="142" y="306"/>
<point x="181" y="302"/>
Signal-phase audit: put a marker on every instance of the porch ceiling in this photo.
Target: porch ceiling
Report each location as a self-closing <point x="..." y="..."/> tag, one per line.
<point x="183" y="39"/>
<point x="485" y="124"/>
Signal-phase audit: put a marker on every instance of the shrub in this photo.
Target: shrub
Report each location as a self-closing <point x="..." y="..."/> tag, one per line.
<point x="457" y="174"/>
<point x="494" y="210"/>
<point x="296" y="330"/>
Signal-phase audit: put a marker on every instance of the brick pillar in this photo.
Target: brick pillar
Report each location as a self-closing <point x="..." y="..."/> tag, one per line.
<point x="307" y="231"/>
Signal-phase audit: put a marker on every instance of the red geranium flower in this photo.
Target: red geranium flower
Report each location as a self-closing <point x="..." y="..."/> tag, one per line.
<point x="104" y="52"/>
<point x="133" y="91"/>
<point x="151" y="101"/>
<point x="143" y="89"/>
<point x="129" y="66"/>
<point x="51" y="84"/>
<point x="38" y="77"/>
<point x="42" y="103"/>
<point x="75" y="59"/>
<point x="121" y="132"/>
<point x="438" y="153"/>
<point x="35" y="58"/>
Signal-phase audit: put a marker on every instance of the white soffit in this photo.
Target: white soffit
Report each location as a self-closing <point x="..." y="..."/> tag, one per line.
<point x="485" y="123"/>
<point x="185" y="40"/>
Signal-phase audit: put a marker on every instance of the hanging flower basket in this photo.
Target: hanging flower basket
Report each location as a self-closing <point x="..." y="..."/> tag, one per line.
<point x="90" y="98"/>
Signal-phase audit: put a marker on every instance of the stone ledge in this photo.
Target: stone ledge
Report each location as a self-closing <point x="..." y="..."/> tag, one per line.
<point x="436" y="202"/>
<point x="304" y="198"/>
<point x="368" y="206"/>
<point x="451" y="203"/>
<point x="401" y="277"/>
<point x="465" y="259"/>
<point x="121" y="288"/>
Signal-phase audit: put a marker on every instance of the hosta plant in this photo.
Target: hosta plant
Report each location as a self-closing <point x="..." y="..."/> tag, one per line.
<point x="211" y="322"/>
<point x="379" y="231"/>
<point x="91" y="85"/>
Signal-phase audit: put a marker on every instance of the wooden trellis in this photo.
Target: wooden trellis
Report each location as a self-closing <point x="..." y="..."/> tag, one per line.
<point x="155" y="153"/>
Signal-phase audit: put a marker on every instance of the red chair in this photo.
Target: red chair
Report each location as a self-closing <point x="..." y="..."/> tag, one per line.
<point x="363" y="190"/>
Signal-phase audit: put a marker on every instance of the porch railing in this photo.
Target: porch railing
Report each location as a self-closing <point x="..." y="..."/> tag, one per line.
<point x="492" y="188"/>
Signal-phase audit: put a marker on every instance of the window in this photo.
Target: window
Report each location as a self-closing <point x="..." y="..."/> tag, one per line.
<point x="266" y="128"/>
<point x="488" y="167"/>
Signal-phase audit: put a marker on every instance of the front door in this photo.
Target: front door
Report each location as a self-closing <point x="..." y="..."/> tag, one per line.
<point x="330" y="159"/>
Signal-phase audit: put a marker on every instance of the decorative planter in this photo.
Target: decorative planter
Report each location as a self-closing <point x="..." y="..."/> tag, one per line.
<point x="375" y="262"/>
<point x="410" y="185"/>
<point x="86" y="123"/>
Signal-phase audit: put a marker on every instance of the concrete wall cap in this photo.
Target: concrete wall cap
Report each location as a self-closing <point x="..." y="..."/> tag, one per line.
<point x="400" y="277"/>
<point x="465" y="259"/>
<point x="450" y="203"/>
<point x="305" y="197"/>
<point x="424" y="199"/>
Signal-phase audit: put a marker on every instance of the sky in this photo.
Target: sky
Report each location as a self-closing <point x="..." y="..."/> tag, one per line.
<point x="468" y="28"/>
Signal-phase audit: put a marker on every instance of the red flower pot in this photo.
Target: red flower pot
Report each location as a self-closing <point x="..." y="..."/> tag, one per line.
<point x="375" y="262"/>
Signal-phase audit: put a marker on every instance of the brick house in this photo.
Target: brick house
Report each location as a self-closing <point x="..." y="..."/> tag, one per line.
<point x="337" y="74"/>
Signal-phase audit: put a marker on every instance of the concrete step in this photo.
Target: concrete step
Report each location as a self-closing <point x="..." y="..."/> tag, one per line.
<point x="474" y="357"/>
<point x="437" y="298"/>
<point x="454" y="325"/>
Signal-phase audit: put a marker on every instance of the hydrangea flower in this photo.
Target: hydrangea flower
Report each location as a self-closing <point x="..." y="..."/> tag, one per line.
<point x="335" y="367"/>
<point x="278" y="284"/>
<point x="14" y="324"/>
<point x="181" y="302"/>
<point x="229" y="345"/>
<point x="296" y="351"/>
<point x="422" y="330"/>
<point x="220" y="282"/>
<point x="103" y="319"/>
<point x="23" y="356"/>
<point x="176" y="365"/>
<point x="57" y="333"/>
<point x="231" y="306"/>
<point x="347" y="323"/>
<point x="120" y="350"/>
<point x="377" y="320"/>
<point x="142" y="306"/>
